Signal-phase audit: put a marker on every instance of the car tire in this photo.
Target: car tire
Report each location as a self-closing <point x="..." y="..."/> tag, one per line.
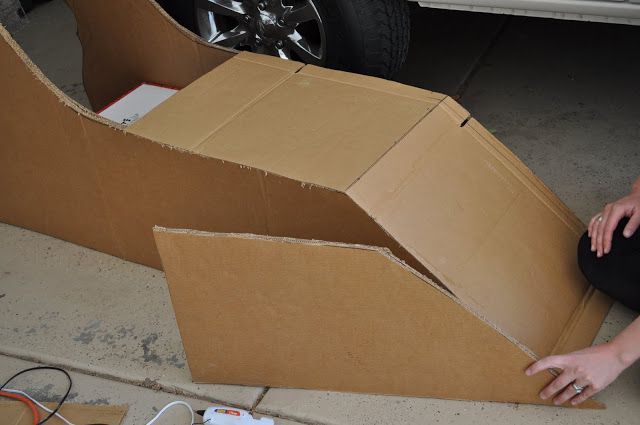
<point x="365" y="36"/>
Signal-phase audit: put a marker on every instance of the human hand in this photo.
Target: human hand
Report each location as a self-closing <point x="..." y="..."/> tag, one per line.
<point x="593" y="369"/>
<point x="603" y="224"/>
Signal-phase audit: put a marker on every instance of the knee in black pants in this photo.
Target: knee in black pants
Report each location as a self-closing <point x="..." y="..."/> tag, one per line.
<point x="595" y="269"/>
<point x="617" y="274"/>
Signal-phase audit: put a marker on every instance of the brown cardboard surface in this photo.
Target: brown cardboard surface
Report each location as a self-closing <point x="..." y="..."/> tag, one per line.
<point x="333" y="317"/>
<point x="58" y="197"/>
<point x="16" y="413"/>
<point x="212" y="101"/>
<point x="310" y="126"/>
<point x="128" y="42"/>
<point x="481" y="227"/>
<point x="106" y="188"/>
<point x="373" y="83"/>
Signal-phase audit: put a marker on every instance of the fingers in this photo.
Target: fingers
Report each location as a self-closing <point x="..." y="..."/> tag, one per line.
<point x="632" y="225"/>
<point x="545" y="363"/>
<point x="557" y="385"/>
<point x="597" y="221"/>
<point x="614" y="217"/>
<point x="610" y="219"/>
<point x="566" y="395"/>
<point x="588" y="392"/>
<point x="592" y="223"/>
<point x="600" y="230"/>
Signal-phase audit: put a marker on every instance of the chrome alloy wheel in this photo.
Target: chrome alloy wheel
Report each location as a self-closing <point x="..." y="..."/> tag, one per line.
<point x="290" y="29"/>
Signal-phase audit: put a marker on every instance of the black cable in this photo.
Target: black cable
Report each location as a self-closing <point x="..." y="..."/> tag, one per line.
<point x="62" y="400"/>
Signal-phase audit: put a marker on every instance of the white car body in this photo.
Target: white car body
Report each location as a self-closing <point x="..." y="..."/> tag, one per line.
<point x="612" y="11"/>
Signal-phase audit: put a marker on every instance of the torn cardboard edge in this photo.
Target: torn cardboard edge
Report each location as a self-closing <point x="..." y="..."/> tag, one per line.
<point x="285" y="288"/>
<point x="16" y="413"/>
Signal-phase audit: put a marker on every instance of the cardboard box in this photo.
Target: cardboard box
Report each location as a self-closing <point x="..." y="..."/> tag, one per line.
<point x="136" y="103"/>
<point x="16" y="413"/>
<point x="481" y="254"/>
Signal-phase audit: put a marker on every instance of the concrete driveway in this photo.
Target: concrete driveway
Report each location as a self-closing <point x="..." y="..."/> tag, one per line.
<point x="564" y="96"/>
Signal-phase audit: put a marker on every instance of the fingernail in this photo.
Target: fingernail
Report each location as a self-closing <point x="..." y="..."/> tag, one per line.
<point x="542" y="396"/>
<point x="626" y="234"/>
<point x="573" y="402"/>
<point x="527" y="372"/>
<point x="593" y="248"/>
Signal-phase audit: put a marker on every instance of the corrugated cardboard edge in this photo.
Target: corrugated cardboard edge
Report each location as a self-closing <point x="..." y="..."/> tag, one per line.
<point x="18" y="414"/>
<point x="381" y="251"/>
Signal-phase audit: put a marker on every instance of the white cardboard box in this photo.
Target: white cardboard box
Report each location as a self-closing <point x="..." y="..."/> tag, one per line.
<point x="136" y="103"/>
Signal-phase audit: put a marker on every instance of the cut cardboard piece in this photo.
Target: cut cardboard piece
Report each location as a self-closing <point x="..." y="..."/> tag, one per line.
<point x="78" y="177"/>
<point x="17" y="413"/>
<point x="330" y="316"/>
<point x="107" y="188"/>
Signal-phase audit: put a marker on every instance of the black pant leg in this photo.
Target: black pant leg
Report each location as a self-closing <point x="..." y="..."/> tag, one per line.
<point x="617" y="273"/>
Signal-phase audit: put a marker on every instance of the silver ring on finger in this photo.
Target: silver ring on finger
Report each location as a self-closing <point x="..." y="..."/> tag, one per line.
<point x="577" y="388"/>
<point x="599" y="219"/>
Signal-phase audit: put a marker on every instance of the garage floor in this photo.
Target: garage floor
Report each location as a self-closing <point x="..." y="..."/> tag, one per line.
<point x="564" y="96"/>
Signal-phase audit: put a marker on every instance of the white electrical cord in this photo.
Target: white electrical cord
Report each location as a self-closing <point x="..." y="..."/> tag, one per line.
<point x="46" y="409"/>
<point x="169" y="406"/>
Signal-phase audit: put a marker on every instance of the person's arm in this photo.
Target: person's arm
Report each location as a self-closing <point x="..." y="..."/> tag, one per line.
<point x="593" y="368"/>
<point x="603" y="224"/>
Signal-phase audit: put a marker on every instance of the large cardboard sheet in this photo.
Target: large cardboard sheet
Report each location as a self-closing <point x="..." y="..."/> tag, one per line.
<point x="332" y="317"/>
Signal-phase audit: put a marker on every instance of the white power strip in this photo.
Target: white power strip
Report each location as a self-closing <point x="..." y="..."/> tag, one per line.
<point x="224" y="416"/>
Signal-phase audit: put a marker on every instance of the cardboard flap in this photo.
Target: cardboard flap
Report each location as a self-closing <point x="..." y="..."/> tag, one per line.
<point x="331" y="316"/>
<point x="313" y="126"/>
<point x="128" y="42"/>
<point x="16" y="413"/>
<point x="481" y="225"/>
